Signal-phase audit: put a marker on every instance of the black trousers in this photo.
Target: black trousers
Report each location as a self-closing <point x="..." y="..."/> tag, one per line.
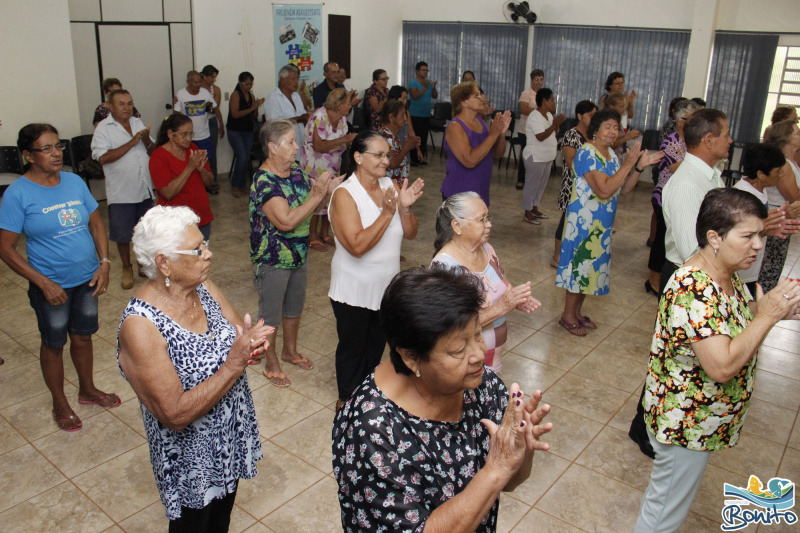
<point x="658" y="252"/>
<point x="523" y="142"/>
<point x="421" y="125"/>
<point x="360" y="347"/>
<point x="213" y="518"/>
<point x="638" y="427"/>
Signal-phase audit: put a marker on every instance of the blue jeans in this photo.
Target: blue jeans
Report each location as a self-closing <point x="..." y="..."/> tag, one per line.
<point x="241" y="142"/>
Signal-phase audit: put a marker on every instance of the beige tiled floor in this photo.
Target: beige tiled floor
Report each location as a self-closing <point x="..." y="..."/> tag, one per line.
<point x="99" y="479"/>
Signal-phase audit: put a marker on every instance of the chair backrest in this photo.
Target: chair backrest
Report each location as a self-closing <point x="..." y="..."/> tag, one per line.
<point x="81" y="147"/>
<point x="66" y="154"/>
<point x="359" y="120"/>
<point x="443" y="111"/>
<point x="650" y="140"/>
<point x="10" y="160"/>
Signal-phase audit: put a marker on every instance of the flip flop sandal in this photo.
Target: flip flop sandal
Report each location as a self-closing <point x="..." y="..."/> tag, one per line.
<point x="574" y="329"/>
<point x="300" y="362"/>
<point x="277" y="375"/>
<point x="318" y="245"/>
<point x="329" y="240"/>
<point x="587" y="322"/>
<point x="77" y="424"/>
<point x="100" y="399"/>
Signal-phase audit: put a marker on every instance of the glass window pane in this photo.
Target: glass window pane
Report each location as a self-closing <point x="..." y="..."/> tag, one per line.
<point x="794" y="51"/>
<point x="793" y="88"/>
<point x="791" y="76"/>
<point x="772" y="103"/>
<point x="793" y="64"/>
<point x="777" y="69"/>
<point x="788" y="99"/>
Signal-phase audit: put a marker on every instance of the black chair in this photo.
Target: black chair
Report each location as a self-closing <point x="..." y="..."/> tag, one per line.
<point x="509" y="140"/>
<point x="442" y="113"/>
<point x="359" y="120"/>
<point x="650" y="140"/>
<point x="68" y="162"/>
<point x="83" y="164"/>
<point x="11" y="166"/>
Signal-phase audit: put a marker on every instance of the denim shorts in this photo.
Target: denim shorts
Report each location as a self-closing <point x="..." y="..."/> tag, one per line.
<point x="281" y="292"/>
<point x="123" y="217"/>
<point x="77" y="316"/>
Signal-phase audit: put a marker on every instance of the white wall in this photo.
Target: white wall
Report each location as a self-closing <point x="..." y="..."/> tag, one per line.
<point x="37" y="68"/>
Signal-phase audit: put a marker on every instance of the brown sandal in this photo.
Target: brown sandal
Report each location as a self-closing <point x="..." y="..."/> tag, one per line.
<point x="279" y="376"/>
<point x="575" y="329"/>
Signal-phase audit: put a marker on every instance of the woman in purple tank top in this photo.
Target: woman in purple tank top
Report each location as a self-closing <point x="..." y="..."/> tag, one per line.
<point x="470" y="144"/>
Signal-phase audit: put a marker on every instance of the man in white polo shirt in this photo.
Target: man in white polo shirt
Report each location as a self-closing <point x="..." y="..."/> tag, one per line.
<point x="122" y="144"/>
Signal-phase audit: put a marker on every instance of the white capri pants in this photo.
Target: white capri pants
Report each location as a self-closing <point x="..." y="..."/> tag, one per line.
<point x="536" y="176"/>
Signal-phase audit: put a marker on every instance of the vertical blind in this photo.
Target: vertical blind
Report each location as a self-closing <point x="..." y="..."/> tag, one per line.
<point x="494" y="52"/>
<point x="577" y="60"/>
<point x="741" y="66"/>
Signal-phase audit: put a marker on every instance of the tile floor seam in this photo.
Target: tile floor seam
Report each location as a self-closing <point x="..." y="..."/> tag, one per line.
<point x="783" y="455"/>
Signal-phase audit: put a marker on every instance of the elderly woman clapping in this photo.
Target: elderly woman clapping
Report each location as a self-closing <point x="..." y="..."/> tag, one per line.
<point x="282" y="200"/>
<point x="463" y="225"/>
<point x="184" y="350"/>
<point x="431" y="438"/>
<point x="598" y="180"/>
<point x="703" y="355"/>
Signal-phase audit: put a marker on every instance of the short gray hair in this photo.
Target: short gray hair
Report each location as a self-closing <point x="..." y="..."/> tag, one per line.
<point x="683" y="108"/>
<point x="272" y="132"/>
<point x="161" y="231"/>
<point x="454" y="208"/>
<point x="286" y="70"/>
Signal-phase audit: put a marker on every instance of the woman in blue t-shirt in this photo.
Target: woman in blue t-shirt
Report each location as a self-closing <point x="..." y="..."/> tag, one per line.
<point x="421" y="91"/>
<point x="65" y="236"/>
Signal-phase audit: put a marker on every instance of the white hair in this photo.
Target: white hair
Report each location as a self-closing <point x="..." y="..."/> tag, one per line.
<point x="161" y="231"/>
<point x="285" y="71"/>
<point x="685" y="107"/>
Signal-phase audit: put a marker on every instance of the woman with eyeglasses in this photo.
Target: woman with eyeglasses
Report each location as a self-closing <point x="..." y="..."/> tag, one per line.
<point x="64" y="239"/>
<point x="463" y="225"/>
<point x="375" y="97"/>
<point x="470" y="144"/>
<point x="370" y="216"/>
<point x="184" y="350"/>
<point x="180" y="171"/>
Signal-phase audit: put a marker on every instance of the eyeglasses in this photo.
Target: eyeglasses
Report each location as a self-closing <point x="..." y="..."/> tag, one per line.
<point x="199" y="251"/>
<point x="485" y="220"/>
<point x="380" y="155"/>
<point x="185" y="134"/>
<point x="479" y="96"/>
<point x="385" y="78"/>
<point x="49" y="148"/>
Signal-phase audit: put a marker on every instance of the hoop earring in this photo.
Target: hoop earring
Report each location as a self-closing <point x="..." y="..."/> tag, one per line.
<point x="167" y="283"/>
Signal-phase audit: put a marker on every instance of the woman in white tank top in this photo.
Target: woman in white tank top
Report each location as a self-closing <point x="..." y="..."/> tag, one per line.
<point x="370" y="217"/>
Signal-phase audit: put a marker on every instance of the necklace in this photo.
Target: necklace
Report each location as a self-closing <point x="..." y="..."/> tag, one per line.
<point x="194" y="303"/>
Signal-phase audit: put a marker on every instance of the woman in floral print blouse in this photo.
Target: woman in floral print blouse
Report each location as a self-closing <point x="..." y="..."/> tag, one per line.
<point x="703" y="356"/>
<point x="426" y="442"/>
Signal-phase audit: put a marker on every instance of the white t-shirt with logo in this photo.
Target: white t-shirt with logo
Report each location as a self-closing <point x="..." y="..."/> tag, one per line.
<point x="195" y="107"/>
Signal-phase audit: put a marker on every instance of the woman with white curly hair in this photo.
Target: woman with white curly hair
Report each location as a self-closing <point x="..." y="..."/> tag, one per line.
<point x="184" y="350"/>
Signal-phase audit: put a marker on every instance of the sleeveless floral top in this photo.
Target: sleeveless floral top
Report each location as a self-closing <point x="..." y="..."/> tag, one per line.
<point x="205" y="460"/>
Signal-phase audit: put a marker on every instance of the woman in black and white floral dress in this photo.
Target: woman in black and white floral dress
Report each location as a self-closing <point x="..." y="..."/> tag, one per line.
<point x="428" y="440"/>
<point x="184" y="350"/>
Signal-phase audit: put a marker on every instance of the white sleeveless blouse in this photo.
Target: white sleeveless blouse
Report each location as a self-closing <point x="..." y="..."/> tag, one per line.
<point x="360" y="281"/>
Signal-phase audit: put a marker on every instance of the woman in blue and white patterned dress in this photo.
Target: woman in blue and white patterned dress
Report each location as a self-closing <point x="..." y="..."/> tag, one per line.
<point x="598" y="178"/>
<point x="184" y="350"/>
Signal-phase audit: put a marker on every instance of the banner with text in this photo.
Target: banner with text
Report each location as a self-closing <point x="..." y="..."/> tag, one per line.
<point x="298" y="40"/>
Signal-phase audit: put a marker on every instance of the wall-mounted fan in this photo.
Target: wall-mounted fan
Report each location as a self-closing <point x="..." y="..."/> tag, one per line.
<point x="518" y="12"/>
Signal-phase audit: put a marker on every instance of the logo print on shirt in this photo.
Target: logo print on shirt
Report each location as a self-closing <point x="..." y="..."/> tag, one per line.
<point x="69" y="217"/>
<point x="195" y="108"/>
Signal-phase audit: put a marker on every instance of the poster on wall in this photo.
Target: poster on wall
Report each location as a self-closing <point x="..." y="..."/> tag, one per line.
<point x="298" y="40"/>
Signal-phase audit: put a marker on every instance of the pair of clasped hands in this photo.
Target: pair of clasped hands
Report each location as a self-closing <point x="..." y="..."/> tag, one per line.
<point x="251" y="343"/>
<point x="518" y="434"/>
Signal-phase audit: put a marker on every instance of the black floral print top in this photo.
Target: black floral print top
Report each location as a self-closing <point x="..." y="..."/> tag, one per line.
<point x="395" y="469"/>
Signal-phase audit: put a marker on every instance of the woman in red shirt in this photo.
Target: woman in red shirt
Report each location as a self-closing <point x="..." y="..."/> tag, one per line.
<point x="180" y="171"/>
